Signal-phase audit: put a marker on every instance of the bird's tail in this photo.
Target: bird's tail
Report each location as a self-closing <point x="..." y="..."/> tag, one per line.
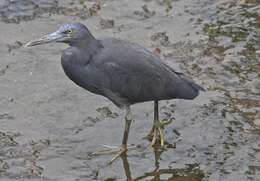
<point x="191" y="88"/>
<point x="192" y="83"/>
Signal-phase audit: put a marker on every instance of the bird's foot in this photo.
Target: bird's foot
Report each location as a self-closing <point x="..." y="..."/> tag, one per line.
<point x="114" y="150"/>
<point x="156" y="133"/>
<point x="122" y="150"/>
<point x="107" y="150"/>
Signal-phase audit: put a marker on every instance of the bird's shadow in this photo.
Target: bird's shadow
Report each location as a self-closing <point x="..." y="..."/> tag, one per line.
<point x="189" y="173"/>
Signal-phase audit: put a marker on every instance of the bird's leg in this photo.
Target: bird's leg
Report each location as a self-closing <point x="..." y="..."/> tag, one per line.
<point x="157" y="126"/>
<point x="123" y="148"/>
<point x="156" y="117"/>
<point x="157" y="130"/>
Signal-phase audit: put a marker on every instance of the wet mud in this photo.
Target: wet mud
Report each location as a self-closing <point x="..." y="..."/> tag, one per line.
<point x="49" y="127"/>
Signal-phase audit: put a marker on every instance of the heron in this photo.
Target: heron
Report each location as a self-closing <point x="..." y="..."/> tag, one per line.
<point x="124" y="72"/>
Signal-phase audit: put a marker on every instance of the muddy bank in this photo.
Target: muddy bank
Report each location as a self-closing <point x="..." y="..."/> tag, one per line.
<point x="49" y="127"/>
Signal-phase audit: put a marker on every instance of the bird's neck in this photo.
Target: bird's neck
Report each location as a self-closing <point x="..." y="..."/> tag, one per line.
<point x="90" y="45"/>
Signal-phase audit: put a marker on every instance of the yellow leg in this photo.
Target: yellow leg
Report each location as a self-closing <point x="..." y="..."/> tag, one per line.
<point x="122" y="151"/>
<point x="156" y="133"/>
<point x="123" y="148"/>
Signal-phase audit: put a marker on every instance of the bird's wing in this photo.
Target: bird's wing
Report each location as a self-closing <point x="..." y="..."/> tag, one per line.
<point x="136" y="74"/>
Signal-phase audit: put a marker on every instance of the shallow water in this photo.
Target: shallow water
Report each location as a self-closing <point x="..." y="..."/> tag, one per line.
<point x="49" y="127"/>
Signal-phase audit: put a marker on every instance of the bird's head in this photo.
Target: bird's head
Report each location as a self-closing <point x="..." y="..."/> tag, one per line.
<point x="69" y="33"/>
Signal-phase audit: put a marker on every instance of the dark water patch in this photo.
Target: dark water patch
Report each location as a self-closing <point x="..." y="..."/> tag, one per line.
<point x="3" y="70"/>
<point x="145" y="13"/>
<point x="106" y="112"/>
<point x="90" y="121"/>
<point x="14" y="11"/>
<point x="106" y="23"/>
<point x="7" y="140"/>
<point x="6" y="116"/>
<point x="160" y="38"/>
<point x="19" y="161"/>
<point x="167" y="3"/>
<point x="252" y="1"/>
<point x="15" y="45"/>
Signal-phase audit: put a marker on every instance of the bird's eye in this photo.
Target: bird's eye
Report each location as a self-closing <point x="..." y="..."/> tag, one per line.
<point x="69" y="31"/>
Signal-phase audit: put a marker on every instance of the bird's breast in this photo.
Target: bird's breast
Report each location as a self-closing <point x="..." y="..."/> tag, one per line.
<point x="82" y="74"/>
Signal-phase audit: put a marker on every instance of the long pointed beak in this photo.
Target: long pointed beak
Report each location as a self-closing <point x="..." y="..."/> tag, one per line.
<point x="53" y="37"/>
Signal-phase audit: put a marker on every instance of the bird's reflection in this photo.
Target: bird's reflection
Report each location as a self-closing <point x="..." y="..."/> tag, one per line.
<point x="126" y="167"/>
<point x="191" y="173"/>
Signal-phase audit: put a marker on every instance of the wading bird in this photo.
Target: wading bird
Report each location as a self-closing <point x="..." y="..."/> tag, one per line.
<point x="124" y="72"/>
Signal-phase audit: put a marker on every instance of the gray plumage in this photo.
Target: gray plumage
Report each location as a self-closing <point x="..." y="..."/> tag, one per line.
<point x="124" y="72"/>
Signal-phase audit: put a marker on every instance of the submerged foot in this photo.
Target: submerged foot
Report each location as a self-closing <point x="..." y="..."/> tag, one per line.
<point x="156" y="133"/>
<point x="118" y="151"/>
